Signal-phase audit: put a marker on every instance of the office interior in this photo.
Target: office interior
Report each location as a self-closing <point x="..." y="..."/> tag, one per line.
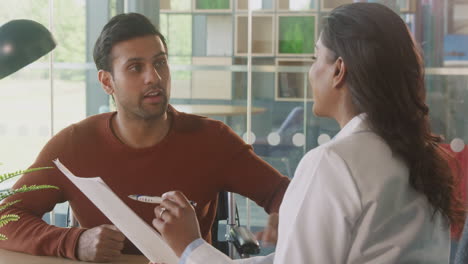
<point x="245" y="68"/>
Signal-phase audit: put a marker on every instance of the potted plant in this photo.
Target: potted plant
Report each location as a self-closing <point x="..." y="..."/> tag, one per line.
<point x="5" y="219"/>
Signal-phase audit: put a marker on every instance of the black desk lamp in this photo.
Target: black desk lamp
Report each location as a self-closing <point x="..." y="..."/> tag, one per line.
<point x="22" y="42"/>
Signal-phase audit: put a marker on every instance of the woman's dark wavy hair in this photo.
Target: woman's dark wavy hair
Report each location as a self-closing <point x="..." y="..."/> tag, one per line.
<point x="385" y="75"/>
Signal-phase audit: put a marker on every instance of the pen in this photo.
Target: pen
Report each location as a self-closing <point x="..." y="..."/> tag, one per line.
<point x="152" y="199"/>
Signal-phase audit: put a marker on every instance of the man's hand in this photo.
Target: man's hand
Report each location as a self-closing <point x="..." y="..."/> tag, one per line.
<point x="177" y="222"/>
<point x="269" y="236"/>
<point x="100" y="244"/>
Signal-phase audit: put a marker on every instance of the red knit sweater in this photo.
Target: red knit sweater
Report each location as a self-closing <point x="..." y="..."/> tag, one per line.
<point x="199" y="156"/>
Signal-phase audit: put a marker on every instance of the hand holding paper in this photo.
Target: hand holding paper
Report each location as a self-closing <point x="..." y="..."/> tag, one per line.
<point x="145" y="238"/>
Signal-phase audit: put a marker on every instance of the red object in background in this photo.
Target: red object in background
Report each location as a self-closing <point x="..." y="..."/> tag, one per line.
<point x="462" y="159"/>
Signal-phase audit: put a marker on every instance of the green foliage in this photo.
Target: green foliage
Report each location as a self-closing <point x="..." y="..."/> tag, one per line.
<point x="212" y="4"/>
<point x="25" y="188"/>
<point x="297" y="34"/>
<point x="10" y="175"/>
<point x="5" y="206"/>
<point x="5" y="219"/>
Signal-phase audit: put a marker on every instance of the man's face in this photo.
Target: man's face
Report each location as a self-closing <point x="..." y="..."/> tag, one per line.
<point x="140" y="81"/>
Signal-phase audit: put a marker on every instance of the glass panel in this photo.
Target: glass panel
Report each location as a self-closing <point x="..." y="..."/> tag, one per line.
<point x="69" y="63"/>
<point x="25" y="100"/>
<point x="25" y="119"/>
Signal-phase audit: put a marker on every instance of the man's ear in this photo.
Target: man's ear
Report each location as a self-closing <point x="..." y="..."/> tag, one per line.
<point x="105" y="78"/>
<point x="341" y="70"/>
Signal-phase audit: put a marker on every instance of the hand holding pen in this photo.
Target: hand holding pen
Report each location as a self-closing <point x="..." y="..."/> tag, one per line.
<point x="176" y="220"/>
<point x="152" y="199"/>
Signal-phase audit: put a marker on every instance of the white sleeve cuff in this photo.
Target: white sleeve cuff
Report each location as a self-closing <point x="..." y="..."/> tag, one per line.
<point x="189" y="249"/>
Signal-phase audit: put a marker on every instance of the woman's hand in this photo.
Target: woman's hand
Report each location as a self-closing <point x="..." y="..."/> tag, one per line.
<point x="176" y="221"/>
<point x="269" y="235"/>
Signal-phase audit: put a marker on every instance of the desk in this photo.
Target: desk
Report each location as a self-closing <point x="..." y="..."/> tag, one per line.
<point x="9" y="257"/>
<point x="216" y="110"/>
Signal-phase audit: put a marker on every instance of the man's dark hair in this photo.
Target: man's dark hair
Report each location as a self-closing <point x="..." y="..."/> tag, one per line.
<point x="120" y="28"/>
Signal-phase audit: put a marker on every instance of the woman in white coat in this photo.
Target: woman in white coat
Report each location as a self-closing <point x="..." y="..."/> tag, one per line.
<point x="380" y="191"/>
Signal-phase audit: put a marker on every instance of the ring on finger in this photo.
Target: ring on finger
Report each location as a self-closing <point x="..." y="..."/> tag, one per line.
<point x="163" y="210"/>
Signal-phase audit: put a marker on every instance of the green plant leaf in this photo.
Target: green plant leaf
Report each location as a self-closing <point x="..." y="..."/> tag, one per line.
<point x="10" y="175"/>
<point x="5" y="206"/>
<point x="5" y="219"/>
<point x="25" y="189"/>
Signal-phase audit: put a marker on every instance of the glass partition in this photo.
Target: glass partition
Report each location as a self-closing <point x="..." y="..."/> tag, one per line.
<point x="209" y="52"/>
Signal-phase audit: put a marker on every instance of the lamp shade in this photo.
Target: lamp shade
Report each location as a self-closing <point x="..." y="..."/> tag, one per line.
<point x="22" y="42"/>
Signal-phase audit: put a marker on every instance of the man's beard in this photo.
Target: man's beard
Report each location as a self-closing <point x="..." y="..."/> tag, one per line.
<point x="162" y="109"/>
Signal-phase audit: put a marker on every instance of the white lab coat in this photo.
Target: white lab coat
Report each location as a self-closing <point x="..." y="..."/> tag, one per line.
<point x="350" y="202"/>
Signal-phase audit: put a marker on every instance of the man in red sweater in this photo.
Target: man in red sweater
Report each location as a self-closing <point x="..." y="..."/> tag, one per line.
<point x="145" y="147"/>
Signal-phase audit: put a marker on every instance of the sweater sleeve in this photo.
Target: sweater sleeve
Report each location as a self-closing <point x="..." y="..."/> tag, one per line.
<point x="247" y="174"/>
<point x="30" y="234"/>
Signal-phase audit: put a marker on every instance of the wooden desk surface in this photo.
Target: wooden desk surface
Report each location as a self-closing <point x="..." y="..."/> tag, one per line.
<point x="216" y="110"/>
<point x="9" y="257"/>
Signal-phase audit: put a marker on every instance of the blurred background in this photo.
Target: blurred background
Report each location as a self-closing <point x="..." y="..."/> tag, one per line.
<point x="268" y="104"/>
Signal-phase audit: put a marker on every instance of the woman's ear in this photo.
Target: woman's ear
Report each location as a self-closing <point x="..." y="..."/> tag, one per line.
<point x="339" y="76"/>
<point x="105" y="78"/>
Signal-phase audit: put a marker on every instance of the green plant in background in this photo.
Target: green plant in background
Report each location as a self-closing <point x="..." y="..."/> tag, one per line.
<point x="212" y="4"/>
<point x="296" y="34"/>
<point x="5" y="219"/>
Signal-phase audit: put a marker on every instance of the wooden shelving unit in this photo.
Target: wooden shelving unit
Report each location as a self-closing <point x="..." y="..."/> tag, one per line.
<point x="262" y="35"/>
<point x="258" y="6"/>
<point x="292" y="86"/>
<point x="168" y="6"/>
<point x="296" y="34"/>
<point x="284" y="33"/>
<point x="212" y="6"/>
<point x="212" y="84"/>
<point x="287" y="5"/>
<point x="328" y="5"/>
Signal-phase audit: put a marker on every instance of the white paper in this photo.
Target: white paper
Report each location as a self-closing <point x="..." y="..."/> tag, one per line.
<point x="143" y="236"/>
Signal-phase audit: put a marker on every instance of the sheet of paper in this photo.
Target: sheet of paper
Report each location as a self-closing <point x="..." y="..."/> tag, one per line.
<point x="143" y="236"/>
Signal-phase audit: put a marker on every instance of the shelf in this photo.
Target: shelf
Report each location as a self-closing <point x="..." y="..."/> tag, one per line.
<point x="212" y="6"/>
<point x="180" y="79"/>
<point x="263" y="83"/>
<point x="211" y="84"/>
<point x="328" y="5"/>
<point x="169" y="6"/>
<point x="296" y="34"/>
<point x="289" y="86"/>
<point x="291" y="5"/>
<point x="177" y="28"/>
<point x="257" y="6"/>
<point x="214" y="35"/>
<point x="408" y="6"/>
<point x="262" y="35"/>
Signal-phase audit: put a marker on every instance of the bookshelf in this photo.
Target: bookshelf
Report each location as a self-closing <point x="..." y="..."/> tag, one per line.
<point x="284" y="33"/>
<point x="292" y="86"/>
<point x="262" y="35"/>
